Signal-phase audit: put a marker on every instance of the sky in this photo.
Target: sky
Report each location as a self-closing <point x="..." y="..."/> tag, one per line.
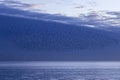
<point x="87" y="13"/>
<point x="103" y="11"/>
<point x="66" y="7"/>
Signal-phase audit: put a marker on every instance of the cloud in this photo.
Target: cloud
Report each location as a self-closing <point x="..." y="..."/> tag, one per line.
<point x="9" y="11"/>
<point x="36" y="6"/>
<point x="80" y="7"/>
<point x="92" y="3"/>
<point x="94" y="19"/>
<point x="14" y="3"/>
<point x="23" y="6"/>
<point x="102" y="19"/>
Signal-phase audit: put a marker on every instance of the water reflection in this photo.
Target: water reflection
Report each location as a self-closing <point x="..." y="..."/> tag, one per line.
<point x="61" y="73"/>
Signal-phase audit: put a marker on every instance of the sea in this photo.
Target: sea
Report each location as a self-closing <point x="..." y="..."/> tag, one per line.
<point x="59" y="70"/>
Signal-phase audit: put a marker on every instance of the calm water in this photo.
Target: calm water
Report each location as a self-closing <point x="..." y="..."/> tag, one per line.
<point x="59" y="71"/>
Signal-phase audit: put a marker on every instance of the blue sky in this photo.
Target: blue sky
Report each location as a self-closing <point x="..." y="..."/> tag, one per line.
<point x="103" y="14"/>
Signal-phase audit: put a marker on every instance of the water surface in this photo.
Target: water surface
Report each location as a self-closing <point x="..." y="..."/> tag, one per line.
<point x="59" y="71"/>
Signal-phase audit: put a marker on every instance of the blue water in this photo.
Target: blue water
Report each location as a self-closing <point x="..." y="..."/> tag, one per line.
<point x="58" y="72"/>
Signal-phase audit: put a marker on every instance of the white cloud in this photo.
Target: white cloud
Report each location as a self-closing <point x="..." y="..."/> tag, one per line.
<point x="89" y="13"/>
<point x="65" y="7"/>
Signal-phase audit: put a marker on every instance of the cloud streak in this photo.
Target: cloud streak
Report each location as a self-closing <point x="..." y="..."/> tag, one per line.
<point x="22" y="6"/>
<point x="96" y="19"/>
